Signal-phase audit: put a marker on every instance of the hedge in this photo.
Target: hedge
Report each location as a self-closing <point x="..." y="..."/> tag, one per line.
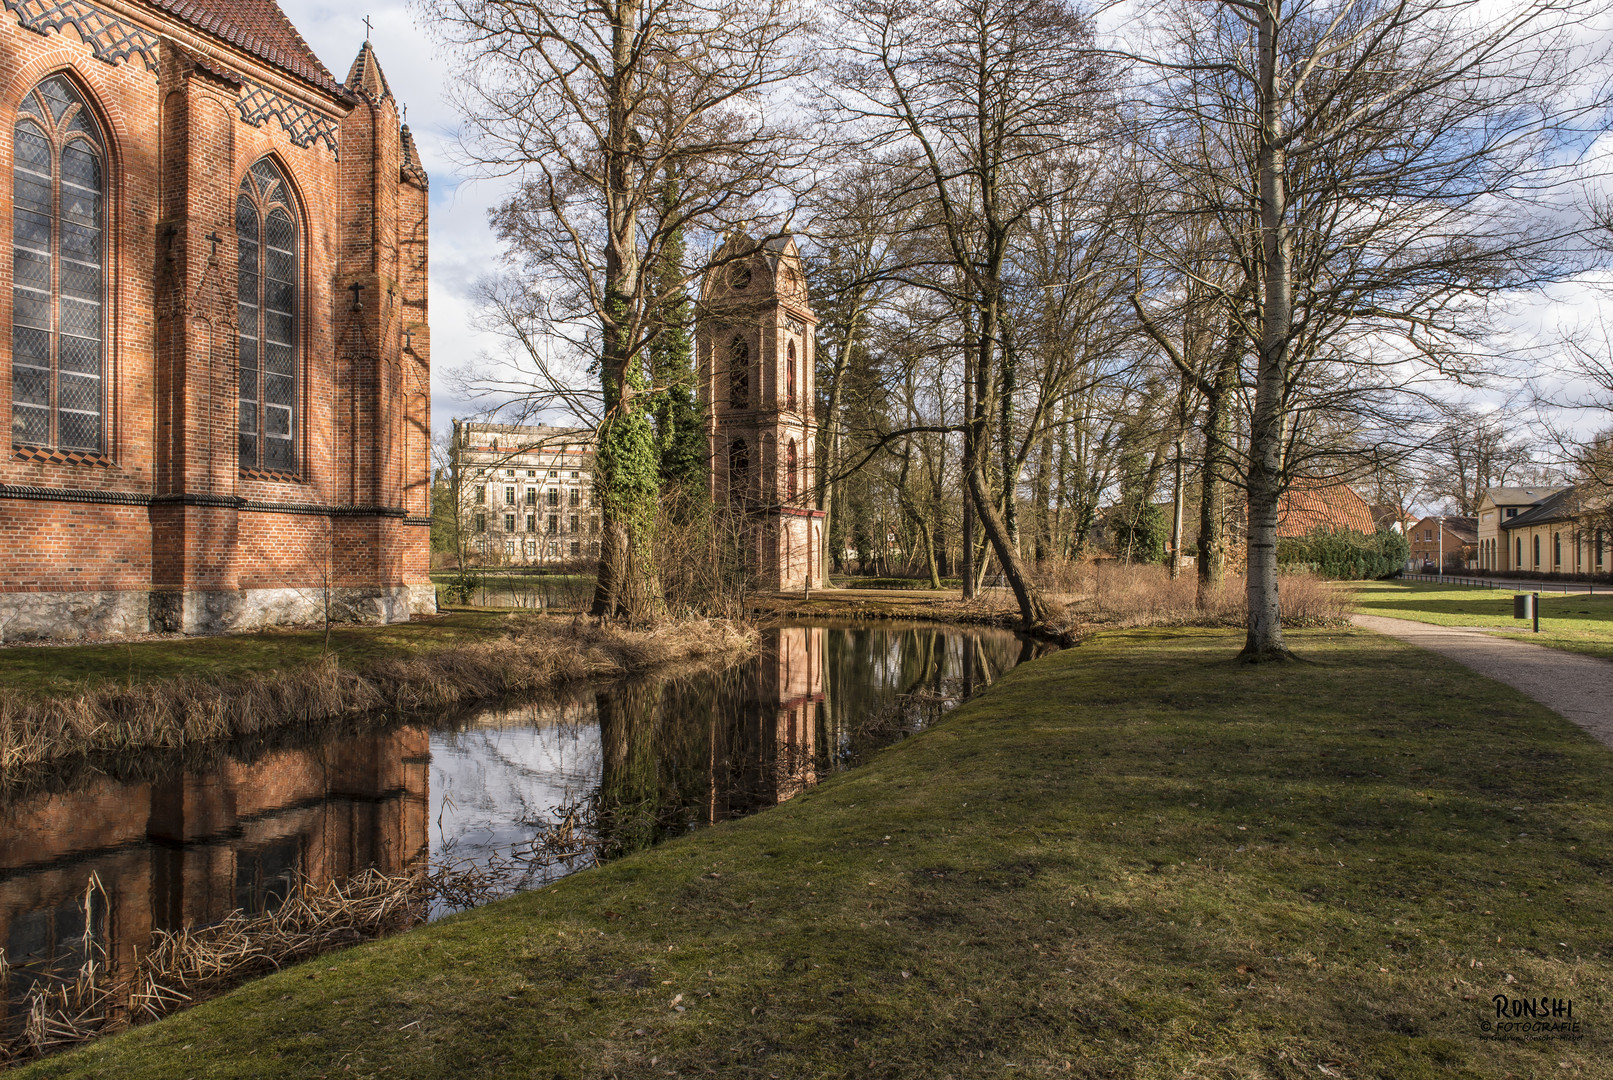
<point x="1345" y="554"/>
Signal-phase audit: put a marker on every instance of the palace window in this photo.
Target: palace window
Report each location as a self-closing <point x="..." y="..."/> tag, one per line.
<point x="554" y="523"/>
<point x="532" y="496"/>
<point x="791" y="464"/>
<point x="509" y="522"/>
<point x="509" y="547"/>
<point x="576" y="548"/>
<point x="738" y="374"/>
<point x="58" y="324"/>
<point x="481" y="522"/>
<point x="479" y="494"/>
<point x="575" y="498"/>
<point x="532" y="523"/>
<point x="553" y="497"/>
<point x="574" y="525"/>
<point x="266" y="238"/>
<point x="531" y="548"/>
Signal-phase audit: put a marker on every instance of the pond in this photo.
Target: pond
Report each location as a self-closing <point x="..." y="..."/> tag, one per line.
<point x="520" y="793"/>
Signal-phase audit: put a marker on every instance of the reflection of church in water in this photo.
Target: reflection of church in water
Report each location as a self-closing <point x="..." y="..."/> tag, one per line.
<point x="189" y="849"/>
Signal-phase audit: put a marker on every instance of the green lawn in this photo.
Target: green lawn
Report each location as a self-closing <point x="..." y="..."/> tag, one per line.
<point x="1135" y="858"/>
<point x="66" y="668"/>
<point x="1577" y="623"/>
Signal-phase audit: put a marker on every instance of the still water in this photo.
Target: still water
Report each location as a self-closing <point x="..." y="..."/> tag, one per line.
<point x="631" y="762"/>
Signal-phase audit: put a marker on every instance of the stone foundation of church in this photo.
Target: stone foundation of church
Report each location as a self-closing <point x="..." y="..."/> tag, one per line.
<point x="92" y="614"/>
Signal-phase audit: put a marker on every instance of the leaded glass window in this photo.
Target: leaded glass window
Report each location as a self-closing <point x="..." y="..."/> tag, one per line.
<point x="58" y="320"/>
<point x="266" y="243"/>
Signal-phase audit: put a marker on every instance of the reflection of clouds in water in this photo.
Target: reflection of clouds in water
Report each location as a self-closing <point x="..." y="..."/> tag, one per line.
<point x="506" y="768"/>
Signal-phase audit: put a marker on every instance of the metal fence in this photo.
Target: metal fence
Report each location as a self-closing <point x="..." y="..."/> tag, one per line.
<point x="1588" y="587"/>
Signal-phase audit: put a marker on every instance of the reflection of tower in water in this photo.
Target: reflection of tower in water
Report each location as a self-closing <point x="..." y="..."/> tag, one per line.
<point x="772" y="719"/>
<point x="99" y="869"/>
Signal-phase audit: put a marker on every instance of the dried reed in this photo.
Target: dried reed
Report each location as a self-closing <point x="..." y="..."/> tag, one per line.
<point x="184" y="966"/>
<point x="536" y="654"/>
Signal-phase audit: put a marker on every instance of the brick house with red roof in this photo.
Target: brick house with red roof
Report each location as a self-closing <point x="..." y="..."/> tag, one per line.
<point x="215" y="358"/>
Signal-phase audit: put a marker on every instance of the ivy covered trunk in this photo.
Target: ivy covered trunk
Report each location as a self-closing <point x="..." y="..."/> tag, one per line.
<point x="627" y="469"/>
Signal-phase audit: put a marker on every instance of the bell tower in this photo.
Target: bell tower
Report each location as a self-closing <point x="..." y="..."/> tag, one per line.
<point x="754" y="337"/>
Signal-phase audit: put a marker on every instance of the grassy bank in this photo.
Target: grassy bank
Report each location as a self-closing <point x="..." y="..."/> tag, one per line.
<point x="1135" y="858"/>
<point x="1578" y="623"/>
<point x="262" y="682"/>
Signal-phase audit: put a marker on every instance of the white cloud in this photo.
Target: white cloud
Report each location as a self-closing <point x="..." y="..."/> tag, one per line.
<point x="462" y="244"/>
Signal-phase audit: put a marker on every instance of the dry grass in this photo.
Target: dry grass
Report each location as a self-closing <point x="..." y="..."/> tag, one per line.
<point x="534" y="654"/>
<point x="1115" y="595"/>
<point x="1082" y="598"/>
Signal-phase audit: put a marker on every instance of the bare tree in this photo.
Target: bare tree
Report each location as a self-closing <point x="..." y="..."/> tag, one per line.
<point x="594" y="105"/>
<point x="1471" y="451"/>
<point x="980" y="95"/>
<point x="1370" y="163"/>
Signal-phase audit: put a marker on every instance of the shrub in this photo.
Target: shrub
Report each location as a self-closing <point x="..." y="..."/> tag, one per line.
<point x="1345" y="554"/>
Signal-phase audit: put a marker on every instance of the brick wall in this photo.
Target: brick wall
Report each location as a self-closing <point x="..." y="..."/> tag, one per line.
<point x="183" y="516"/>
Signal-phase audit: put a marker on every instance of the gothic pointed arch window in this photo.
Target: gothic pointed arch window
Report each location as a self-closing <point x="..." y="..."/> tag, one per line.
<point x="792" y="465"/>
<point x="58" y="323"/>
<point x="789" y="375"/>
<point x="738" y="373"/>
<point x="267" y="262"/>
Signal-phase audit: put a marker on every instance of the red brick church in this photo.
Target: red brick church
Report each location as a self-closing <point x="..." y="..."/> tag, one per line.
<point x="216" y="358"/>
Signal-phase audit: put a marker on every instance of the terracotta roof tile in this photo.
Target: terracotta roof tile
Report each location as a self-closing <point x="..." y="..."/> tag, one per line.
<point x="1305" y="508"/>
<point x="260" y="28"/>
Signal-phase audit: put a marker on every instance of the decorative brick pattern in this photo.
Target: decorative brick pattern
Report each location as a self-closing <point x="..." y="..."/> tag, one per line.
<point x="110" y="38"/>
<point x="306" y="127"/>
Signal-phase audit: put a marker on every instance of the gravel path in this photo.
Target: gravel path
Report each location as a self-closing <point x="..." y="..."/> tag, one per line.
<point x="1577" y="687"/>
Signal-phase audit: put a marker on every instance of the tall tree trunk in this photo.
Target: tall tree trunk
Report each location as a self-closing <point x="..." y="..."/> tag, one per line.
<point x="1005" y="439"/>
<point x="969" y="444"/>
<point x="625" y="462"/>
<point x="1042" y="496"/>
<point x="1176" y="516"/>
<point x="1212" y="468"/>
<point x="1032" y="611"/>
<point x="1265" y="638"/>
